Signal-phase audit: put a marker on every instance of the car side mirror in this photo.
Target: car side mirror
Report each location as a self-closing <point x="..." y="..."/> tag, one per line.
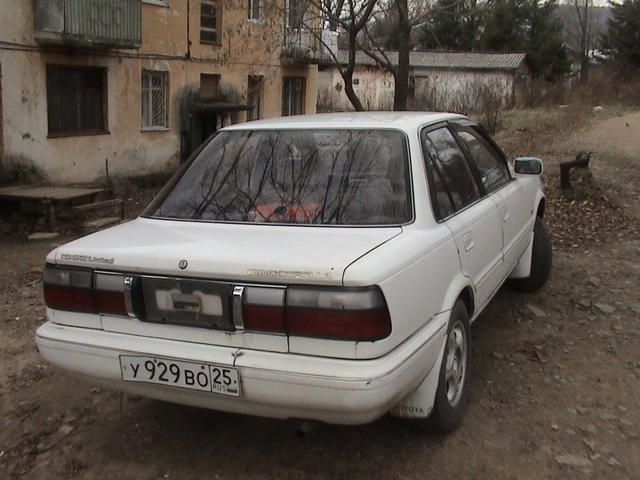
<point x="528" y="166"/>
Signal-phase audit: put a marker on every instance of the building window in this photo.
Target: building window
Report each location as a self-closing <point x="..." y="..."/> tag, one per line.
<point x="76" y="100"/>
<point x="293" y="96"/>
<point x="209" y="83"/>
<point x="295" y="13"/>
<point x="209" y="22"/>
<point x="254" y="97"/>
<point x="255" y="9"/>
<point x="154" y="99"/>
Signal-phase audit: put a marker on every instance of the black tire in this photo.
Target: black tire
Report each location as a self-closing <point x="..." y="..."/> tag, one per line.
<point x="446" y="416"/>
<point x="541" y="261"/>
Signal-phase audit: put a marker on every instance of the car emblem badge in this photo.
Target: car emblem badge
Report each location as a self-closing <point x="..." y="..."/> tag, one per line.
<point x="183" y="264"/>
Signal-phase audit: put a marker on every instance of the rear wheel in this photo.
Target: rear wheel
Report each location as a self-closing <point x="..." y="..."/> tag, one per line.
<point x="541" y="260"/>
<point x="453" y="393"/>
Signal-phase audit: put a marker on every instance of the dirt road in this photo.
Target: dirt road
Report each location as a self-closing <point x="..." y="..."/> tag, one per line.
<point x="555" y="391"/>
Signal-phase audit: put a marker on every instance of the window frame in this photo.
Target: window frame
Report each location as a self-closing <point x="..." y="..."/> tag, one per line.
<point x="435" y="207"/>
<point x="289" y="24"/>
<point x="165" y="76"/>
<point x="303" y="94"/>
<point x="251" y="7"/>
<point x="260" y="96"/>
<point x="105" y="101"/>
<point x="482" y="136"/>
<point x="217" y="30"/>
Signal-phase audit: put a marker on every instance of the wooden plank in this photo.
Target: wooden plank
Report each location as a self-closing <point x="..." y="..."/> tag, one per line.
<point x="96" y="205"/>
<point x="43" y="194"/>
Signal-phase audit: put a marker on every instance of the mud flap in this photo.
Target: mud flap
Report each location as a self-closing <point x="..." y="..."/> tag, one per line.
<point x="523" y="267"/>
<point x="420" y="403"/>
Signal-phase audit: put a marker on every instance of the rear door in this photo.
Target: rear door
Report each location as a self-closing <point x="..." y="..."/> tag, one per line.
<point x="461" y="204"/>
<point x="513" y="200"/>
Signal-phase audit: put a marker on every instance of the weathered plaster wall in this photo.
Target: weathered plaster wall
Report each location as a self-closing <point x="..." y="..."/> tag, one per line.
<point x="446" y="88"/>
<point x="462" y="90"/>
<point x="246" y="48"/>
<point x="374" y="87"/>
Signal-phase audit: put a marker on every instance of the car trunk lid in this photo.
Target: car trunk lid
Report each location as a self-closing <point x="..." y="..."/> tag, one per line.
<point x="192" y="264"/>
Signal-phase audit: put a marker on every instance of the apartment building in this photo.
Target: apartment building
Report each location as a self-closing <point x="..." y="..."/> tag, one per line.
<point x="132" y="87"/>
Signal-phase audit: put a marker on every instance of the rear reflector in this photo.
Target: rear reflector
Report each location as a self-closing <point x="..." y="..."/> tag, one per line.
<point x="264" y="319"/>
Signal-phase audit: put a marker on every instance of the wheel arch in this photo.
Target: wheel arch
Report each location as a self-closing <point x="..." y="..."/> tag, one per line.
<point x="467" y="297"/>
<point x="542" y="204"/>
<point x="460" y="289"/>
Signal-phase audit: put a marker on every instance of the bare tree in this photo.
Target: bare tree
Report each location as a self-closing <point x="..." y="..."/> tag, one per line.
<point x="351" y="17"/>
<point x="409" y="14"/>
<point x="585" y="32"/>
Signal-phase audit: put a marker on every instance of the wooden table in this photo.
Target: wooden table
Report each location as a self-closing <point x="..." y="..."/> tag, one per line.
<point x="50" y="197"/>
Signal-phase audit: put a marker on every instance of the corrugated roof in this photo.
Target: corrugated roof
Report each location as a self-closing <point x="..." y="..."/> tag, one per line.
<point x="454" y="60"/>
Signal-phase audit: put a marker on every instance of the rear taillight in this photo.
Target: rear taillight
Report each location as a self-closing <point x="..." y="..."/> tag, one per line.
<point x="340" y="314"/>
<point x="357" y="314"/>
<point x="263" y="309"/>
<point x="110" y="294"/>
<point x="82" y="290"/>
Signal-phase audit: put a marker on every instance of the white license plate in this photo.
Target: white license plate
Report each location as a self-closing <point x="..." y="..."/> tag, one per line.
<point x="195" y="376"/>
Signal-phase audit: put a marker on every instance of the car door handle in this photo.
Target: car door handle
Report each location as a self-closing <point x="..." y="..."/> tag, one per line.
<point x="468" y="241"/>
<point x="505" y="213"/>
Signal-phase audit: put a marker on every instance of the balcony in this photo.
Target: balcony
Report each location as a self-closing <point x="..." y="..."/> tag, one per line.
<point x="88" y="23"/>
<point x="308" y="46"/>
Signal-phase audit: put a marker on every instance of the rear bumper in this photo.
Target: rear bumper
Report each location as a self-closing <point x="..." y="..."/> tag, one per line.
<point x="276" y="385"/>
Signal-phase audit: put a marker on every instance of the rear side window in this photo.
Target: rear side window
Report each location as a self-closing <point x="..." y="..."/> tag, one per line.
<point x="451" y="168"/>
<point x="441" y="197"/>
<point x="314" y="177"/>
<point x="491" y="167"/>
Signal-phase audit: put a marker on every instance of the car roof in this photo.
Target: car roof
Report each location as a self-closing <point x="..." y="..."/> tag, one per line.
<point x="396" y="120"/>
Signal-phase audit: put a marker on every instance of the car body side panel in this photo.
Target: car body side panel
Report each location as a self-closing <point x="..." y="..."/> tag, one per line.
<point x="516" y="204"/>
<point x="478" y="236"/>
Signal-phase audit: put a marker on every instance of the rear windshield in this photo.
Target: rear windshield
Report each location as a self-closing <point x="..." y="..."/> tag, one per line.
<point x="315" y="177"/>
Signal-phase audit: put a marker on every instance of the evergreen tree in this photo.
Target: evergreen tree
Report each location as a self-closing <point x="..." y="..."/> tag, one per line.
<point x="547" y="54"/>
<point x="622" y="40"/>
<point x="503" y="22"/>
<point x="453" y="25"/>
<point x="527" y="26"/>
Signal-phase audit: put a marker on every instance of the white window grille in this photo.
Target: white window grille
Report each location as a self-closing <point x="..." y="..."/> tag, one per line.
<point x="256" y="9"/>
<point x="209" y="19"/>
<point x="154" y="99"/>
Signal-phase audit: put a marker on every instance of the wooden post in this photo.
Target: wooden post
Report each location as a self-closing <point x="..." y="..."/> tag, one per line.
<point x="581" y="161"/>
<point x="51" y="211"/>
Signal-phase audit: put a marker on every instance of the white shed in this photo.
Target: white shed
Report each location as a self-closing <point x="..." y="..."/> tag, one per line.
<point x="452" y="81"/>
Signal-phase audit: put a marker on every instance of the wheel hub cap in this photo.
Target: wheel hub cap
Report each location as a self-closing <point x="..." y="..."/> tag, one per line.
<point x="456" y="363"/>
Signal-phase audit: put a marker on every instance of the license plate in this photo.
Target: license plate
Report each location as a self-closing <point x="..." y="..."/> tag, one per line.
<point x="195" y="376"/>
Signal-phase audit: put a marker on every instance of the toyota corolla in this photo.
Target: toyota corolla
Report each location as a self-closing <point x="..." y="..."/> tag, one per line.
<point x="322" y="267"/>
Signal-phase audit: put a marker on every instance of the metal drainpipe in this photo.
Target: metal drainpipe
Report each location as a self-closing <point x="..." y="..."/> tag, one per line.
<point x="189" y="29"/>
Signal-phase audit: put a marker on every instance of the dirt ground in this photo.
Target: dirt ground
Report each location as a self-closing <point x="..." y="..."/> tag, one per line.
<point x="555" y="391"/>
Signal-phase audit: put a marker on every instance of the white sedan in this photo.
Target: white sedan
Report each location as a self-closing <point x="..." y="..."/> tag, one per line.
<point x="323" y="267"/>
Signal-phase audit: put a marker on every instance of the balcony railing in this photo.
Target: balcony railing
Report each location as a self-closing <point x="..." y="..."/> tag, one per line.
<point x="308" y="46"/>
<point x="89" y="23"/>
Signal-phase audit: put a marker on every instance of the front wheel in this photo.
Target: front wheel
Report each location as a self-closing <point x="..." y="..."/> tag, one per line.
<point x="541" y="260"/>
<point x="453" y="392"/>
